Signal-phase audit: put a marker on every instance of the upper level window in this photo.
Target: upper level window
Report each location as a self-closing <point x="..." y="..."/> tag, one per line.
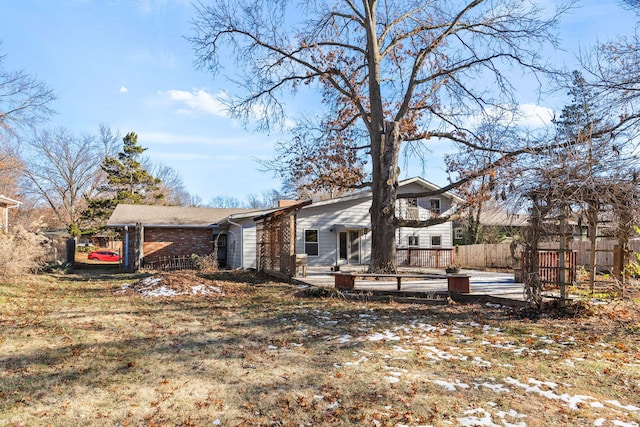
<point x="412" y="209"/>
<point x="436" y="241"/>
<point x="459" y="233"/>
<point x="413" y="241"/>
<point x="434" y="206"/>
<point x="311" y="246"/>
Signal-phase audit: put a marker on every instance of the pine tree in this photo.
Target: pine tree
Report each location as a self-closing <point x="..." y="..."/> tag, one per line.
<point x="127" y="182"/>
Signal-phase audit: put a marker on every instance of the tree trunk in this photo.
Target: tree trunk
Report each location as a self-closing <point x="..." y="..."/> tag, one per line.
<point x="384" y="191"/>
<point x="593" y="240"/>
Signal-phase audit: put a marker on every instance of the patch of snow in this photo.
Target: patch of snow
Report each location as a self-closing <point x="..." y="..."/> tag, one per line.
<point x="481" y="362"/>
<point x="333" y="405"/>
<point x="384" y="336"/>
<point x="498" y="388"/>
<point x="599" y="422"/>
<point x="573" y="401"/>
<point x="392" y="380"/>
<point x="624" y="424"/>
<point x="345" y="339"/>
<point x="357" y="362"/>
<point x="450" y="386"/>
<point x="631" y="408"/>
<point x="473" y="421"/>
<point x="162" y="291"/>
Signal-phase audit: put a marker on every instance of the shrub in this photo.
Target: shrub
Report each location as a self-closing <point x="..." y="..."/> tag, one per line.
<point x="21" y="253"/>
<point x="205" y="263"/>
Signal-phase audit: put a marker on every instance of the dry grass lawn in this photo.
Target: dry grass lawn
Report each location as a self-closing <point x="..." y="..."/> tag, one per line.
<point x="234" y="349"/>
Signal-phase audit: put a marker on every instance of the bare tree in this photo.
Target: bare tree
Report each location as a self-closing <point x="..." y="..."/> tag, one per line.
<point x="393" y="74"/>
<point x="10" y="165"/>
<point x="489" y="189"/>
<point x="62" y="169"/>
<point x="24" y="100"/>
<point x="225" y="202"/>
<point x="171" y="185"/>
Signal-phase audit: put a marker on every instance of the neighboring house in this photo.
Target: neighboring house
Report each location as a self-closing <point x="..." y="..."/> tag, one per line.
<point x="330" y="232"/>
<point x="5" y="204"/>
<point x="496" y="225"/>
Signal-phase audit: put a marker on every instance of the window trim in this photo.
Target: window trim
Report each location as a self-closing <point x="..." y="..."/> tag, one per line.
<point x="458" y="233"/>
<point x="316" y="243"/>
<point x="413" y="209"/>
<point x="439" y="236"/>
<point x="437" y="211"/>
<point x="417" y="241"/>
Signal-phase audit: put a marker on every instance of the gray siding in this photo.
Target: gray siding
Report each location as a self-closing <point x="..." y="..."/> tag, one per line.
<point x="241" y="244"/>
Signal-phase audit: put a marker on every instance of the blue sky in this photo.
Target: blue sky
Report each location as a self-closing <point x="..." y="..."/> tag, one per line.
<point x="126" y="63"/>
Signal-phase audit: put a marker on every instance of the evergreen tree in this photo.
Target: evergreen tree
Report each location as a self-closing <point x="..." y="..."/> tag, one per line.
<point x="127" y="182"/>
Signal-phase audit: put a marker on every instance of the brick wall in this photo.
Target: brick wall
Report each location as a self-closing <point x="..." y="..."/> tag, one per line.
<point x="161" y="242"/>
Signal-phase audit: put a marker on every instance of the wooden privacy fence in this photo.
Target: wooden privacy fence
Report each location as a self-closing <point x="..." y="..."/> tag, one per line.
<point x="499" y="255"/>
<point x="604" y="251"/>
<point x="425" y="257"/>
<point x="485" y="255"/>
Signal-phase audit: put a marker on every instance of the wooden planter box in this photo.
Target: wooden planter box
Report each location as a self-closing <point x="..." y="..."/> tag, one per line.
<point x="458" y="283"/>
<point x="344" y="281"/>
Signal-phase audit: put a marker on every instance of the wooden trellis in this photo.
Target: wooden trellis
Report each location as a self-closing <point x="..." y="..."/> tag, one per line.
<point x="276" y="240"/>
<point x="606" y="206"/>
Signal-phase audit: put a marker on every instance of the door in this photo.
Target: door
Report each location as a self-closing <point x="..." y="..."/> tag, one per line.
<point x="343" y="247"/>
<point x="354" y="247"/>
<point x="222" y="249"/>
<point x="349" y="246"/>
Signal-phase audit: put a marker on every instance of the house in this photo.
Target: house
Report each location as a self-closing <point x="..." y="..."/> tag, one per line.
<point x="327" y="233"/>
<point x="6" y="204"/>
<point x="336" y="231"/>
<point x="168" y="231"/>
<point x="496" y="225"/>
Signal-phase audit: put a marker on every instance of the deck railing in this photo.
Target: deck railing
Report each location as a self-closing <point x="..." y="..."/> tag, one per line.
<point x="425" y="257"/>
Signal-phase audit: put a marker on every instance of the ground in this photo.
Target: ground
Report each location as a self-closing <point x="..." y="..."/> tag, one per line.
<point x="103" y="348"/>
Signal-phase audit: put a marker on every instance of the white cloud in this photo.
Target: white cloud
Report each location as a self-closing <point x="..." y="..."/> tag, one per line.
<point x="173" y="138"/>
<point x="532" y="115"/>
<point x="198" y="101"/>
<point x="123" y="89"/>
<point x="527" y="115"/>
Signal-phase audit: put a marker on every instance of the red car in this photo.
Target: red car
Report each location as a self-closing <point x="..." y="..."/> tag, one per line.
<point x="104" y="256"/>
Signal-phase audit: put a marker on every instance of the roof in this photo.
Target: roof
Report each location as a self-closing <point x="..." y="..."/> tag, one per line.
<point x="169" y="216"/>
<point x="4" y="200"/>
<point x="428" y="186"/>
<point x="502" y="218"/>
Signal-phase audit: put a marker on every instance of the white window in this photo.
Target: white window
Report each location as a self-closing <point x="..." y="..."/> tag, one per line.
<point x="412" y="209"/>
<point x="434" y="206"/>
<point x="436" y="241"/>
<point x="311" y="246"/>
<point x="458" y="234"/>
<point x="413" y="241"/>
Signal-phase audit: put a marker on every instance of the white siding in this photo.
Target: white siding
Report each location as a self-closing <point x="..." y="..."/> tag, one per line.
<point x="424" y="235"/>
<point x="324" y="217"/>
